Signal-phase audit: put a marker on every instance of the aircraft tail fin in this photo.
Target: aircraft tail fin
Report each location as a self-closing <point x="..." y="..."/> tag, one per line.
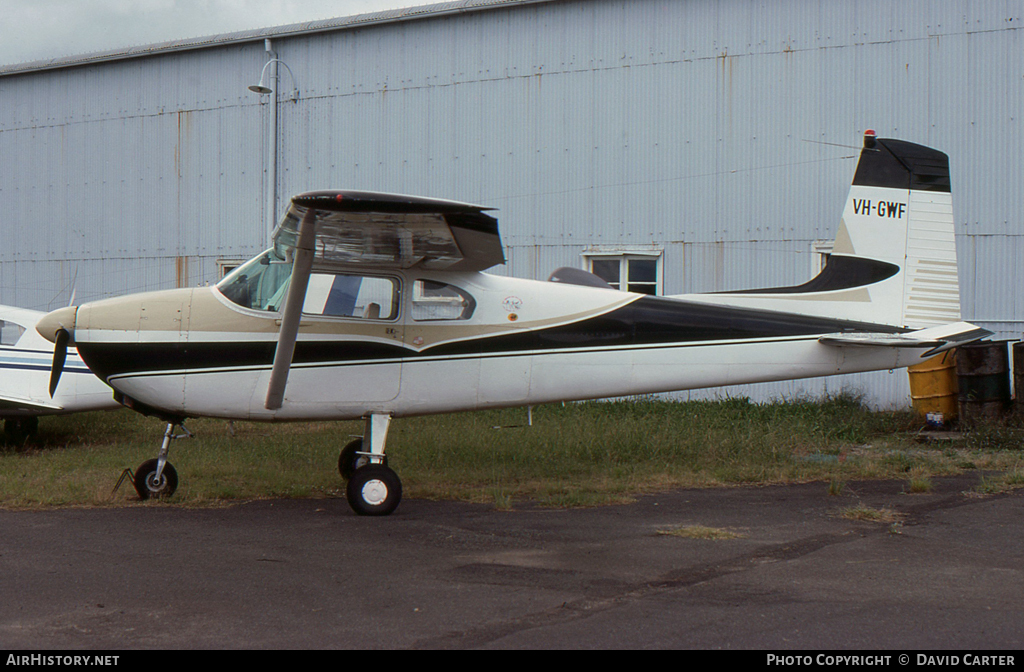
<point x="894" y="257"/>
<point x="900" y="213"/>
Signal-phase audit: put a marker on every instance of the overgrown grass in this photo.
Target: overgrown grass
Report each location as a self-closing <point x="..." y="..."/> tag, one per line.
<point x="577" y="454"/>
<point x="869" y="514"/>
<point x="699" y="532"/>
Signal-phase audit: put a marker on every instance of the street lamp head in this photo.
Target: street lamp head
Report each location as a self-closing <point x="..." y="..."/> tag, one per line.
<point x="261" y="88"/>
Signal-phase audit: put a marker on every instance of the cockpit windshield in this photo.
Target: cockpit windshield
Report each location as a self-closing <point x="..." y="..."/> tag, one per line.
<point x="259" y="284"/>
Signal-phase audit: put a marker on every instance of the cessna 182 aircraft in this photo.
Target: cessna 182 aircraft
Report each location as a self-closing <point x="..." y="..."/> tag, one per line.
<point x="27" y="387"/>
<point x="375" y="306"/>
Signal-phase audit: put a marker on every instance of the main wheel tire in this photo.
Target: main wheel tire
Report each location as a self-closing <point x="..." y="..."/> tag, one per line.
<point x="374" y="490"/>
<point x="350" y="460"/>
<point x="148" y="486"/>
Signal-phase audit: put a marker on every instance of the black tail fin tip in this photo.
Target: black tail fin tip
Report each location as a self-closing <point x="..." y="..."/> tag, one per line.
<point x="899" y="164"/>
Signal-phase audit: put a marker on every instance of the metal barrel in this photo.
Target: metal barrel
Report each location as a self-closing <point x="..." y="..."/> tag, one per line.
<point x="933" y="387"/>
<point x="983" y="378"/>
<point x="1018" y="375"/>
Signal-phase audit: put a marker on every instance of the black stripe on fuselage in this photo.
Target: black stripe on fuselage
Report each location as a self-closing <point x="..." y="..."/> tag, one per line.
<point x="648" y="321"/>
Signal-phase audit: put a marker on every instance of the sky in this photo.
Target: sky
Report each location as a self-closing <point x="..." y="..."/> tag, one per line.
<point x="43" y="29"/>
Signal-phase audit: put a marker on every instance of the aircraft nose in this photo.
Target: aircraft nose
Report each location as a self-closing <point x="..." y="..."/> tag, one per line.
<point x="60" y="319"/>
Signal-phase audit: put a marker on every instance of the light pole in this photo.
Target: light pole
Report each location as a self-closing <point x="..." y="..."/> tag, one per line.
<point x="263" y="89"/>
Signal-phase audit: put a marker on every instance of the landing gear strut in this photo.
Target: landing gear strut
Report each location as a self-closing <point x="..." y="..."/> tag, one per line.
<point x="374" y="489"/>
<point x="158" y="478"/>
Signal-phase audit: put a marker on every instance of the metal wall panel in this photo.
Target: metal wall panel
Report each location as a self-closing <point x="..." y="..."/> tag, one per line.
<point x="141" y="162"/>
<point x="725" y="131"/>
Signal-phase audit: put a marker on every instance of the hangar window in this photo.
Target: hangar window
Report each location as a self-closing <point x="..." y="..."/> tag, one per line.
<point x="820" y="253"/>
<point x="628" y="271"/>
<point x="225" y="265"/>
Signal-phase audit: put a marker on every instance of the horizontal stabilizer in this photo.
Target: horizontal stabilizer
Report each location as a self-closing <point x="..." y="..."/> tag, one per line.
<point x="939" y="339"/>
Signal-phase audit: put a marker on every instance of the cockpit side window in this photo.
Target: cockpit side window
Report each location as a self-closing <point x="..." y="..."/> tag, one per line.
<point x="262" y="284"/>
<point x="345" y="295"/>
<point x="433" y="300"/>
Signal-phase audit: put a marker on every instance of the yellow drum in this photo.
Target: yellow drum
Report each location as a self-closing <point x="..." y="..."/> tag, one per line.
<point x="933" y="386"/>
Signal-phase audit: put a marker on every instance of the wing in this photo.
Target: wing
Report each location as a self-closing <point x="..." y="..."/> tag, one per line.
<point x="939" y="339"/>
<point x="373" y="230"/>
<point x="394" y="231"/>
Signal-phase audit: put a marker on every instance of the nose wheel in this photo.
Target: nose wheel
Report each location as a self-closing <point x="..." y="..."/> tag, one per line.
<point x="157" y="478"/>
<point x="152" y="486"/>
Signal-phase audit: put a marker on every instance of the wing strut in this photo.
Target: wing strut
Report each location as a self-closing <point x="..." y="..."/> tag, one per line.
<point x="301" y="265"/>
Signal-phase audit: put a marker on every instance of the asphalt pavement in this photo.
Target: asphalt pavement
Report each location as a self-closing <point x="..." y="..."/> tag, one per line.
<point x="792" y="573"/>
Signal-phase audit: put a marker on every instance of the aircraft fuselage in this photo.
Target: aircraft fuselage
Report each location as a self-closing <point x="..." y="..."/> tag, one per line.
<point x="412" y="343"/>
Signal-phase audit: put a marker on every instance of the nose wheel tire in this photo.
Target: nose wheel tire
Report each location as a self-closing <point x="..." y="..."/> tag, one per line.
<point x="374" y="490"/>
<point x="147" y="484"/>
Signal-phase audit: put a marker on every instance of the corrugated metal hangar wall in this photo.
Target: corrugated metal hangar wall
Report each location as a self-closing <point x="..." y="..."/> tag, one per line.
<point x="719" y="135"/>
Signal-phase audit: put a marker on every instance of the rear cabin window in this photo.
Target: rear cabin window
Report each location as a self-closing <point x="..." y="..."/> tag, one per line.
<point x="432" y="300"/>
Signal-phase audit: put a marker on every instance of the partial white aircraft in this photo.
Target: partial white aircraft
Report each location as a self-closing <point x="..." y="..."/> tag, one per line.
<point x="375" y="306"/>
<point x="26" y="362"/>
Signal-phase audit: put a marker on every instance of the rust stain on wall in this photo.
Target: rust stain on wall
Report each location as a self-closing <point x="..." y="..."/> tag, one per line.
<point x="181" y="271"/>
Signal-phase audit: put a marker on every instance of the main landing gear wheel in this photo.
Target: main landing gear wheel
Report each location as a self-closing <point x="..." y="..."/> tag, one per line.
<point x="350" y="460"/>
<point x="374" y="490"/>
<point x="147" y="484"/>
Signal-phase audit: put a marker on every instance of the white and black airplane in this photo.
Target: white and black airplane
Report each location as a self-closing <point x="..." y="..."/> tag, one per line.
<point x="376" y="306"/>
<point x="28" y="388"/>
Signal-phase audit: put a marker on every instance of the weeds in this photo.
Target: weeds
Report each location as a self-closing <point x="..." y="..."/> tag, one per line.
<point x="869" y="514"/>
<point x="919" y="483"/>
<point x="990" y="484"/>
<point x="699" y="532"/>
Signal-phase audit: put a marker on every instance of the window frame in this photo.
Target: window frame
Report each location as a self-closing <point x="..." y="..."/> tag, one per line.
<point x="821" y="250"/>
<point x="397" y="297"/>
<point x="468" y="307"/>
<point x="625" y="255"/>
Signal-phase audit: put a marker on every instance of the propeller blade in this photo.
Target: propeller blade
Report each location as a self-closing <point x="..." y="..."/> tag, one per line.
<point x="60" y="354"/>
